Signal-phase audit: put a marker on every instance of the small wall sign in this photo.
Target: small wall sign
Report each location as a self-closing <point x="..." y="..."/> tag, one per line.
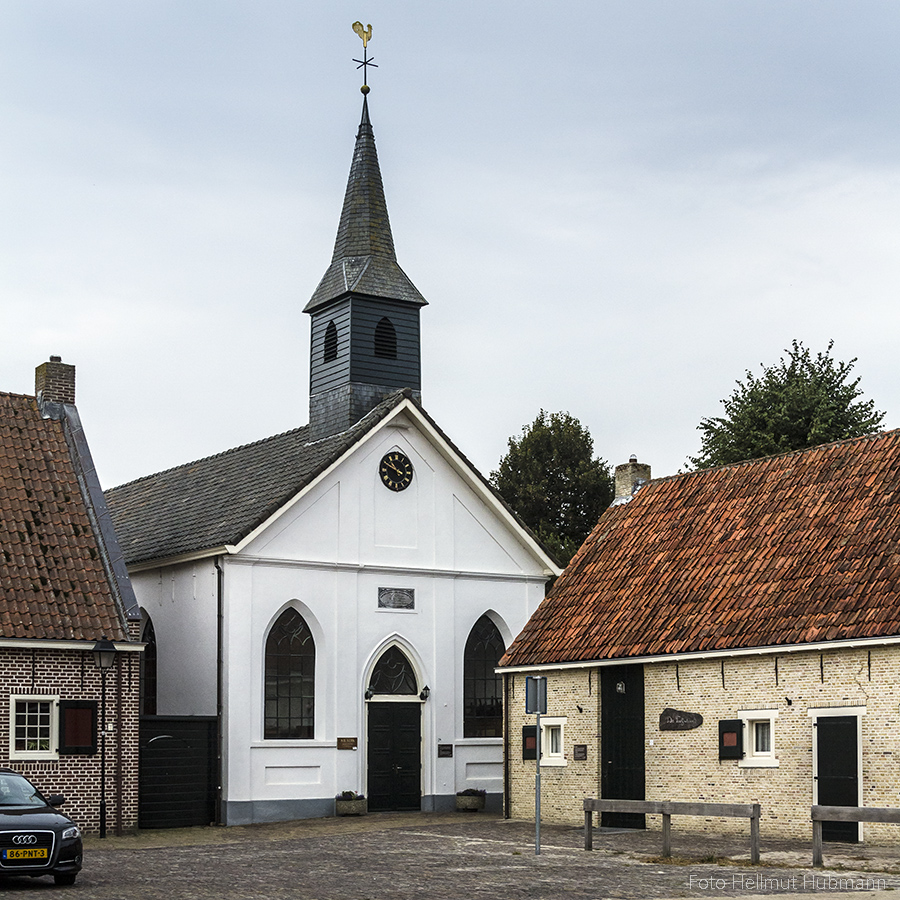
<point x="445" y="751"/>
<point x="396" y="598"/>
<point x="579" y="751"/>
<point x="347" y="743"/>
<point x="678" y="720"/>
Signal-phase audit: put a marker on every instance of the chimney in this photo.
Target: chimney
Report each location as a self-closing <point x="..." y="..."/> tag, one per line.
<point x="630" y="478"/>
<point x="54" y="382"/>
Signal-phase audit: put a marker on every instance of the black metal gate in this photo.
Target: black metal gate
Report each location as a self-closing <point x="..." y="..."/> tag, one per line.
<point x="178" y="771"/>
<point x="837" y="772"/>
<point x="395" y="756"/>
<point x="622" y="741"/>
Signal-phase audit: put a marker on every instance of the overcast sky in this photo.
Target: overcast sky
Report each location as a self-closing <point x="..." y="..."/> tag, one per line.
<point x="613" y="208"/>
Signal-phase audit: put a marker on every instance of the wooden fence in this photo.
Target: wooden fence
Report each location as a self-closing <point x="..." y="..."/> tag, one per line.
<point x="820" y="814"/>
<point x="669" y="808"/>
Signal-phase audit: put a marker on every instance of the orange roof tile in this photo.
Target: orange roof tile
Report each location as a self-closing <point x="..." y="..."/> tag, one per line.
<point x="790" y="549"/>
<point x="53" y="583"/>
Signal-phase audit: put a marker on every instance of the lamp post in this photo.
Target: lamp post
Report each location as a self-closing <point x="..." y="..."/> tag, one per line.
<point x="104" y="656"/>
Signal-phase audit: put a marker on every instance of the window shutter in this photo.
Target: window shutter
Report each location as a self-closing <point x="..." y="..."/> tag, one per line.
<point x="77" y="727"/>
<point x="731" y="739"/>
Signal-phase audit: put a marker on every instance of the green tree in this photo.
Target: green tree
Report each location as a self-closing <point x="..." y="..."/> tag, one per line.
<point x="550" y="477"/>
<point x="800" y="402"/>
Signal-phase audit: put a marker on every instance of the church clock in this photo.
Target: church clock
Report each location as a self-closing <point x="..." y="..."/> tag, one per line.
<point x="396" y="471"/>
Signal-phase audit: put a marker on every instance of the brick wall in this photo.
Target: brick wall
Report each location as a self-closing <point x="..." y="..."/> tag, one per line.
<point x="72" y="675"/>
<point x="684" y="765"/>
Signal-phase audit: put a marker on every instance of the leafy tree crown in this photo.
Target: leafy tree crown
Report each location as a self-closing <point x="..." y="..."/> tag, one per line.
<point x="550" y="477"/>
<point x="800" y="402"/>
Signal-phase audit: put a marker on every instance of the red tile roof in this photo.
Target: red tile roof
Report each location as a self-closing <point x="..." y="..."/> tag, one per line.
<point x="53" y="583"/>
<point x="792" y="549"/>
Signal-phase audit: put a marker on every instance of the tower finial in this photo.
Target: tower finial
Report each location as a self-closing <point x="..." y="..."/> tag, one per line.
<point x="366" y="36"/>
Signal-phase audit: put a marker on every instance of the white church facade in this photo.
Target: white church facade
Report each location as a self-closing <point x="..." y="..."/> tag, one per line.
<point x="337" y="597"/>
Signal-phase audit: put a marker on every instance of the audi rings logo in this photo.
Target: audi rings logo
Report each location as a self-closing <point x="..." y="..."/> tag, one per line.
<point x="24" y="839"/>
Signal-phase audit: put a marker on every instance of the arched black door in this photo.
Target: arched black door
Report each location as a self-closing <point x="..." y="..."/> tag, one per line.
<point x="394" y="735"/>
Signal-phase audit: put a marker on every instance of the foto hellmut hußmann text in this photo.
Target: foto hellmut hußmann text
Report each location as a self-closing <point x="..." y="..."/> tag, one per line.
<point x="812" y="882"/>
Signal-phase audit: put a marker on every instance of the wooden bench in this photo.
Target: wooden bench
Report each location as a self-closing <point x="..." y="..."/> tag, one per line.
<point x="820" y="814"/>
<point x="669" y="808"/>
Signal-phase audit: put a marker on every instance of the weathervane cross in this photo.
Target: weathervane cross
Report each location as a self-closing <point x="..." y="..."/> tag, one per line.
<point x="365" y="34"/>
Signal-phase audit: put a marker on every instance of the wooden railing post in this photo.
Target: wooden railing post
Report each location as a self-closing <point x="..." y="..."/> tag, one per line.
<point x="667" y="833"/>
<point x="588" y="829"/>
<point x="817" y="842"/>
<point x="754" y="834"/>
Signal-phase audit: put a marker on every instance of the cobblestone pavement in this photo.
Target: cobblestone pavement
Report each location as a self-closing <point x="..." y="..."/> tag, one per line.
<point x="455" y="856"/>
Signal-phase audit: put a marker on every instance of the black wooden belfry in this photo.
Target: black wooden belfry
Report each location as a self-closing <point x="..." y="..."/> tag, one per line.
<point x="365" y="340"/>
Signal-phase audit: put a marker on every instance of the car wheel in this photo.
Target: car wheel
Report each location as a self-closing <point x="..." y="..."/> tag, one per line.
<point x="64" y="879"/>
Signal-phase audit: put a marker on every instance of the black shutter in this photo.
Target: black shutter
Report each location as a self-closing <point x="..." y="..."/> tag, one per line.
<point x="731" y="739"/>
<point x="77" y="727"/>
<point x="529" y="742"/>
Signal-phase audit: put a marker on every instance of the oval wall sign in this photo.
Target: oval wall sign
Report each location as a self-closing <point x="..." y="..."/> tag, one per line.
<point x="677" y="720"/>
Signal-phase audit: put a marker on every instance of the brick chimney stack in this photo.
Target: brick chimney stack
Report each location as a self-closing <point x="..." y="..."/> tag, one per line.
<point x="54" y="382"/>
<point x="630" y="478"/>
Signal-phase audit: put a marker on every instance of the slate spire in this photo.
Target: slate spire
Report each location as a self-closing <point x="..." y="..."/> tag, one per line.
<point x="364" y="335"/>
<point x="364" y="260"/>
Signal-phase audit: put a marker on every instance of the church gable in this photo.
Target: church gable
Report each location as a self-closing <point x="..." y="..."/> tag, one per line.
<point x="441" y="514"/>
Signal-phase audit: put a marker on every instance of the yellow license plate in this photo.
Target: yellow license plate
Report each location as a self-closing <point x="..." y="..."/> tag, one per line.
<point x="29" y="853"/>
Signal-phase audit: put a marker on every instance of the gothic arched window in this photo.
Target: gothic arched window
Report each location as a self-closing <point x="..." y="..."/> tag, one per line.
<point x="290" y="678"/>
<point x="385" y="339"/>
<point x="482" y="687"/>
<point x="330" y="350"/>
<point x="393" y="674"/>
<point x="148" y="670"/>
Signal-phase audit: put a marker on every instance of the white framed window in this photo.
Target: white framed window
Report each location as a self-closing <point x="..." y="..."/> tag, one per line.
<point x="34" y="727"/>
<point x="759" y="738"/>
<point x="553" y="740"/>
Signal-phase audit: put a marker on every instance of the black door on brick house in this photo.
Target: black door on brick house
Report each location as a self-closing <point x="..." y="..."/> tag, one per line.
<point x="837" y="771"/>
<point x="622" y="741"/>
<point x="394" y="756"/>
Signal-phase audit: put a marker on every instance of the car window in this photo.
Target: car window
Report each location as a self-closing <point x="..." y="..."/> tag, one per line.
<point x="18" y="791"/>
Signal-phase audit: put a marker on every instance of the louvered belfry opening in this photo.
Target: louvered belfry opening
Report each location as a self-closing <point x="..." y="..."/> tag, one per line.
<point x="385" y="339"/>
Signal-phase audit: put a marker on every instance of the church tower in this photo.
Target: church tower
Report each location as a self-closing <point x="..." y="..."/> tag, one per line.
<point x="365" y="312"/>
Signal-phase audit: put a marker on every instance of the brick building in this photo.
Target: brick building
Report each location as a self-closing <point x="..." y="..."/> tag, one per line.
<point x="729" y="635"/>
<point x="63" y="589"/>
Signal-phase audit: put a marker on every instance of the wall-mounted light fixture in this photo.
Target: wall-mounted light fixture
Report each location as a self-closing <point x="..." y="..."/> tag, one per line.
<point x="426" y="693"/>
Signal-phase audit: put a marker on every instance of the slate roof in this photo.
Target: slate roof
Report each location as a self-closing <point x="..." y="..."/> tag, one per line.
<point x="364" y="260"/>
<point x="220" y="500"/>
<point x="792" y="549"/>
<point x="53" y="579"/>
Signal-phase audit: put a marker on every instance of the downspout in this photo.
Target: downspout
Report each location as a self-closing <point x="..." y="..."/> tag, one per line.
<point x="506" y="779"/>
<point x="119" y="738"/>
<point x="220" y="685"/>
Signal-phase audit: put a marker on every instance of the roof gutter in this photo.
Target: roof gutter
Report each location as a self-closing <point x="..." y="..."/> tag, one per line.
<point x="51" y="644"/>
<point x="848" y="644"/>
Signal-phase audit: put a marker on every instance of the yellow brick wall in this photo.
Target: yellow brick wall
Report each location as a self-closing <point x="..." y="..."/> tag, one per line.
<point x="685" y="765"/>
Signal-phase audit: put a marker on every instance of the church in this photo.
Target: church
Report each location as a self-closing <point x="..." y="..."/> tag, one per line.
<point x="335" y="599"/>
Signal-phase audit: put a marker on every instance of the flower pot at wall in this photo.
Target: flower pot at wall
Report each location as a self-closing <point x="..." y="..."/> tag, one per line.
<point x="469" y="804"/>
<point x="351" y="807"/>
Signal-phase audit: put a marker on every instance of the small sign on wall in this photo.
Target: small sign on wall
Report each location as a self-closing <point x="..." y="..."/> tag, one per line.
<point x="445" y="751"/>
<point x="579" y="751"/>
<point x="347" y="743"/>
<point x="678" y="720"/>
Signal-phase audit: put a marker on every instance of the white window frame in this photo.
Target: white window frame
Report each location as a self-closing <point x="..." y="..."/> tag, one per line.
<point x="553" y="756"/>
<point x="767" y="759"/>
<point x="53" y="751"/>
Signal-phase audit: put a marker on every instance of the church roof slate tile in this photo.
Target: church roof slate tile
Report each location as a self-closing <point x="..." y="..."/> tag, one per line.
<point x="792" y="549"/>
<point x="53" y="582"/>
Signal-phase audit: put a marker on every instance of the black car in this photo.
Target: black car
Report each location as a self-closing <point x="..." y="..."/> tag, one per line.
<point x="36" y="839"/>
